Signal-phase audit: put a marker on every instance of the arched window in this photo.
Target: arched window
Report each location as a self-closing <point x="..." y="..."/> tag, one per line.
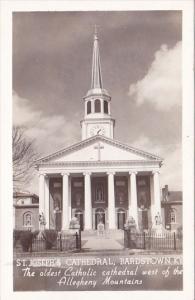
<point x="88" y="107"/>
<point x="27" y="219"/>
<point x="97" y="106"/>
<point x="105" y="107"/>
<point x="172" y="216"/>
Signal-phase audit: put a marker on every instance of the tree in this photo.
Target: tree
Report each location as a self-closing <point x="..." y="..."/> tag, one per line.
<point x="23" y="155"/>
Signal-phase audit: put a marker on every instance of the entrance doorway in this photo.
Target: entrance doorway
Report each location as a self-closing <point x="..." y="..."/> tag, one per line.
<point x="99" y="216"/>
<point x="79" y="216"/>
<point x="120" y="218"/>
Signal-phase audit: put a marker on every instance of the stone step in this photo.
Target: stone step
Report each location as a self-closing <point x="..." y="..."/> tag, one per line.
<point x="111" y="233"/>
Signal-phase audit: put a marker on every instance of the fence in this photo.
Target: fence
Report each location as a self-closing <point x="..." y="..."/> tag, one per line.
<point x="62" y="243"/>
<point x="152" y="241"/>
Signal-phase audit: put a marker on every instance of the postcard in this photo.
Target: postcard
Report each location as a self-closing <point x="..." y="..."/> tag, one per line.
<point x="99" y="149"/>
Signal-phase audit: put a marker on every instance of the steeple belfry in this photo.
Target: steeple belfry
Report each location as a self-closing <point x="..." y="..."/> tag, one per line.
<point x="96" y="78"/>
<point x="97" y="117"/>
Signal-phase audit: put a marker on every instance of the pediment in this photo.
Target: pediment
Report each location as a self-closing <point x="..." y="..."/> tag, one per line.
<point x="98" y="148"/>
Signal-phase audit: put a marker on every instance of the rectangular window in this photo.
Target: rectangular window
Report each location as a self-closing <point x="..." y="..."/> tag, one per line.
<point x="77" y="193"/>
<point x="78" y="184"/>
<point x="121" y="191"/>
<point x="143" y="192"/>
<point x="120" y="183"/>
<point x="57" y="184"/>
<point x="141" y="182"/>
<point x="99" y="194"/>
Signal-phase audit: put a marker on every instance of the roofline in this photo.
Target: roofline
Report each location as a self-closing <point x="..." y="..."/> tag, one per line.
<point x="24" y="195"/>
<point x="113" y="141"/>
<point x="171" y="202"/>
<point x="36" y="205"/>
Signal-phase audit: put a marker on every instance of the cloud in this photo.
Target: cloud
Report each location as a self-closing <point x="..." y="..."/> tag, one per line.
<point x="145" y="144"/>
<point x="161" y="86"/>
<point x="50" y="133"/>
<point x="23" y="113"/>
<point x="171" y="170"/>
<point x="171" y="173"/>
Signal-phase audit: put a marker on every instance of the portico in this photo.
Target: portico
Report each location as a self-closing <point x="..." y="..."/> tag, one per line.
<point x="96" y="194"/>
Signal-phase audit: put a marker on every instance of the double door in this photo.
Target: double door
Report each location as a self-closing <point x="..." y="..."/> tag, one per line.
<point x="99" y="217"/>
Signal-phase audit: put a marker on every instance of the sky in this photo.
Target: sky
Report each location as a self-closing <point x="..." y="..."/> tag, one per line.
<point x="141" y="69"/>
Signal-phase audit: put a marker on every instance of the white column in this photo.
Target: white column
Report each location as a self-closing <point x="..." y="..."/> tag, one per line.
<point x="111" y="201"/>
<point x="133" y="197"/>
<point x="129" y="195"/>
<point x="88" y="206"/>
<point x="92" y="106"/>
<point x="41" y="196"/>
<point x="65" y="203"/>
<point x="102" y="106"/>
<point x="86" y="108"/>
<point x="41" y="193"/>
<point x="47" y="202"/>
<point x="157" y="200"/>
<point x="152" y="214"/>
<point x="69" y="197"/>
<point x="109" y="112"/>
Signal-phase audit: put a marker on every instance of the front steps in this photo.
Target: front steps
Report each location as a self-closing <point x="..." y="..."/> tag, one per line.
<point x="111" y="233"/>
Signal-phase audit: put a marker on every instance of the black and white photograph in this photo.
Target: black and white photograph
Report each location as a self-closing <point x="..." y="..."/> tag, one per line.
<point x="97" y="150"/>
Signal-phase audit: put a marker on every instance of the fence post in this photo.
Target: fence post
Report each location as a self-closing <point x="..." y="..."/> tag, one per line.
<point x="174" y="240"/>
<point x="125" y="238"/>
<point x="129" y="238"/>
<point x="144" y="240"/>
<point x="60" y="242"/>
<point x="77" y="241"/>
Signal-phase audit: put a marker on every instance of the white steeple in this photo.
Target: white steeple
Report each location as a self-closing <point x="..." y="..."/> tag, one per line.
<point x="97" y="119"/>
<point x="96" y="78"/>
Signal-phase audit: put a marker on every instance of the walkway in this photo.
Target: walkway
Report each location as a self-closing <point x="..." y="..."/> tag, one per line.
<point x="104" y="242"/>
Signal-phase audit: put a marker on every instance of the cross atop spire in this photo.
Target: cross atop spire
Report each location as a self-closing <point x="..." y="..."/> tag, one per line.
<point x="96" y="78"/>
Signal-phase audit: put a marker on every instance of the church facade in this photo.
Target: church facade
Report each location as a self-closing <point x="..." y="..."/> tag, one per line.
<point x="99" y="178"/>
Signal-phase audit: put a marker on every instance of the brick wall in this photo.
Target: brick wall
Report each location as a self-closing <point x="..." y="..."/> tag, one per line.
<point x="19" y="213"/>
<point x="177" y="208"/>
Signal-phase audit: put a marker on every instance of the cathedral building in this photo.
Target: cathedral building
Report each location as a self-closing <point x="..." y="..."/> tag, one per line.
<point x="99" y="178"/>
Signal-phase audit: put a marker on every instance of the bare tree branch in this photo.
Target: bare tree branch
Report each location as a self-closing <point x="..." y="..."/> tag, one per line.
<point x="23" y="156"/>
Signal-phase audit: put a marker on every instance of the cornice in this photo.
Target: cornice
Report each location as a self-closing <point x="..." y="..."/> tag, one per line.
<point x="99" y="163"/>
<point x="97" y="95"/>
<point x="102" y="119"/>
<point x="20" y="206"/>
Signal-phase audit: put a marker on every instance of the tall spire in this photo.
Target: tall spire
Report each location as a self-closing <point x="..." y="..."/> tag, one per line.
<point x="96" y="78"/>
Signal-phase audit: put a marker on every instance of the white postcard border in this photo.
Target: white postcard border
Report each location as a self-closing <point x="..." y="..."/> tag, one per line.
<point x="6" y="121"/>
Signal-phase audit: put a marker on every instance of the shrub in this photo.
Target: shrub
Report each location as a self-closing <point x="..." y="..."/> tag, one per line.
<point x="180" y="232"/>
<point x="16" y="236"/>
<point x="50" y="236"/>
<point x="26" y="238"/>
